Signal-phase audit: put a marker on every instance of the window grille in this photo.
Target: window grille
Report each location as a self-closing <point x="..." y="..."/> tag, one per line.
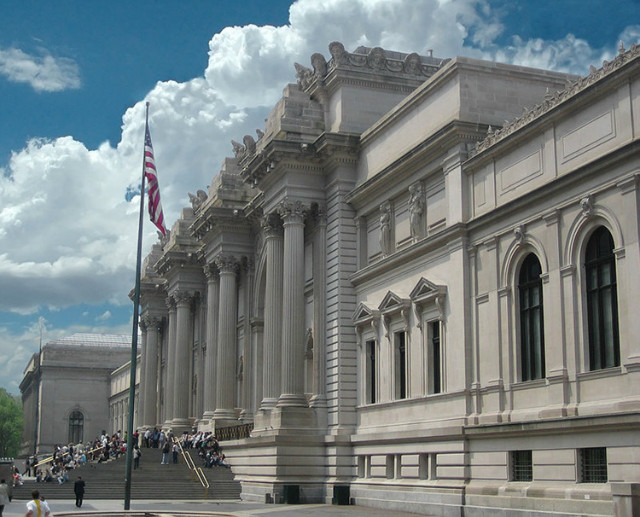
<point x="521" y="466"/>
<point x="593" y="465"/>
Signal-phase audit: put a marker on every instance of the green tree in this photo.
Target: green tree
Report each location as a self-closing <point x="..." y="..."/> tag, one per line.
<point x="10" y="424"/>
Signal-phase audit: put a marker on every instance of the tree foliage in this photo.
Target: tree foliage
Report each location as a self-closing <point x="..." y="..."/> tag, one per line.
<point x="10" y="424"/>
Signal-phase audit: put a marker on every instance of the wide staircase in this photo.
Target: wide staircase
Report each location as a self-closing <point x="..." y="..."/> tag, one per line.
<point x="150" y="481"/>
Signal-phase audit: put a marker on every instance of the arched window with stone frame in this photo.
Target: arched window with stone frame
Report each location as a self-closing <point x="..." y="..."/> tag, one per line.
<point x="601" y="296"/>
<point x="531" y="315"/>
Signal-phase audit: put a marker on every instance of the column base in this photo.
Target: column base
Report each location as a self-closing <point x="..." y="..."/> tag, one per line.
<point x="268" y="404"/>
<point x="293" y="400"/>
<point x="180" y="425"/>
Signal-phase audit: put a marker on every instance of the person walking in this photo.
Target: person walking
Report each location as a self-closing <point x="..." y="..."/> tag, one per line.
<point x="78" y="489"/>
<point x="4" y="495"/>
<point x="36" y="507"/>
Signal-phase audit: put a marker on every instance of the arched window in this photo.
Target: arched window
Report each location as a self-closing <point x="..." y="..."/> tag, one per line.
<point x="531" y="319"/>
<point x="76" y="425"/>
<point x="602" y="301"/>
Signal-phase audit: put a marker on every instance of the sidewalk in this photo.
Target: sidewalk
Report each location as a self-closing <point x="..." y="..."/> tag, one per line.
<point x="230" y="508"/>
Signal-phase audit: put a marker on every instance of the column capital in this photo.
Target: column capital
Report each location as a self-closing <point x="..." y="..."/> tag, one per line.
<point x="171" y="303"/>
<point x="151" y="321"/>
<point x="271" y="225"/>
<point x="182" y="297"/>
<point x="226" y="263"/>
<point x="212" y="272"/>
<point x="292" y="211"/>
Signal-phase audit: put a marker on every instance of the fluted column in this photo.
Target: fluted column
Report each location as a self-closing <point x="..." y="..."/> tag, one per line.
<point x="213" y="304"/>
<point x="293" y="304"/>
<point x="319" y="398"/>
<point x="182" y="379"/>
<point x="244" y="374"/>
<point x="150" y="386"/>
<point x="272" y="337"/>
<point x="170" y="363"/>
<point x="227" y="325"/>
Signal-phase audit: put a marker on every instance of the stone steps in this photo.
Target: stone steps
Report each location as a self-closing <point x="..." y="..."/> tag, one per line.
<point x="151" y="481"/>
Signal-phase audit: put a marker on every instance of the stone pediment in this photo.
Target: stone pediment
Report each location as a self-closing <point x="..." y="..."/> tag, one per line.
<point x="363" y="315"/>
<point x="393" y="303"/>
<point x="426" y="291"/>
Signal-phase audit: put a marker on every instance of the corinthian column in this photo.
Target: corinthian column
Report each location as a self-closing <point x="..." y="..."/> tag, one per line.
<point x="227" y="324"/>
<point x="293" y="303"/>
<point x="213" y="304"/>
<point x="182" y="380"/>
<point x="150" y="387"/>
<point x="170" y="362"/>
<point x="272" y="312"/>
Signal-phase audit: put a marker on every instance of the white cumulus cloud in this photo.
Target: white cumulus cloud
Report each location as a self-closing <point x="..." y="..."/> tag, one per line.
<point x="44" y="72"/>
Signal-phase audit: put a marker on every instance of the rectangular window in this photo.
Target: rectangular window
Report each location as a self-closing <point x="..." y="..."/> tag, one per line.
<point x="521" y="466"/>
<point x="371" y="382"/>
<point x="400" y="339"/>
<point x="435" y="354"/>
<point x="592" y="465"/>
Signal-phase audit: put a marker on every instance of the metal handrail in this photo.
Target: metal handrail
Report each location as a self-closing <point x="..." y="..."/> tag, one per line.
<point x="192" y="466"/>
<point x="202" y="477"/>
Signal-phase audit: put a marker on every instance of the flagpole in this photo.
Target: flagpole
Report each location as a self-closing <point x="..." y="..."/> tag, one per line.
<point x="134" y="337"/>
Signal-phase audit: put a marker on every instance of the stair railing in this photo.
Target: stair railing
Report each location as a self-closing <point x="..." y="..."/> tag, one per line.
<point x="192" y="466"/>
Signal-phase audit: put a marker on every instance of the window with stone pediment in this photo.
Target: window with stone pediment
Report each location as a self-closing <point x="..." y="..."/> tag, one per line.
<point x="532" y="360"/>
<point x="395" y="314"/>
<point x="429" y="302"/>
<point x="602" y="300"/>
<point x="366" y="322"/>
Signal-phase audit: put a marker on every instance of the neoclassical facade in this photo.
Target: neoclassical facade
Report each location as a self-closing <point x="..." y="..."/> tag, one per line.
<point x="415" y="289"/>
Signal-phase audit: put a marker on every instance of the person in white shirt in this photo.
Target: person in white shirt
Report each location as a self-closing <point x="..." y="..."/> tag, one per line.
<point x="36" y="507"/>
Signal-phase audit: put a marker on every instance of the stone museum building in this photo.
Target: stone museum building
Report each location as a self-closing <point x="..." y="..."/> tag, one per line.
<point x="414" y="289"/>
<point x="67" y="391"/>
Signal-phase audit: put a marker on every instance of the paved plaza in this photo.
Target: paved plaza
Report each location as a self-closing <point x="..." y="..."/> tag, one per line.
<point x="229" y="508"/>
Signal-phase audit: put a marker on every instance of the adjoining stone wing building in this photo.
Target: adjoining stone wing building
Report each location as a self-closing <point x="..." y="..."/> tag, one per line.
<point x="66" y="389"/>
<point x="417" y="289"/>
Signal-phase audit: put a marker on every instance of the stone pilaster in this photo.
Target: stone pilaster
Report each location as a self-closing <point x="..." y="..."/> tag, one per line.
<point x="170" y="363"/>
<point x="183" y="348"/>
<point x="150" y="386"/>
<point x="213" y="304"/>
<point x="293" y="303"/>
<point x="227" y="325"/>
<point x="272" y="311"/>
<point x="319" y="398"/>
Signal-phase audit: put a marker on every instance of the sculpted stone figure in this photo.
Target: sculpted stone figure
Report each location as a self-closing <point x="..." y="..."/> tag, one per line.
<point x="385" y="228"/>
<point x="249" y="144"/>
<point x="319" y="64"/>
<point x="198" y="199"/>
<point x="238" y="149"/>
<point x="304" y="75"/>
<point x="377" y="59"/>
<point x="412" y="64"/>
<point x="338" y="53"/>
<point x="416" y="209"/>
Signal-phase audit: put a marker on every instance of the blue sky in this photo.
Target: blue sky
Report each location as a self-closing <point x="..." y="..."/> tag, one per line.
<point x="74" y="77"/>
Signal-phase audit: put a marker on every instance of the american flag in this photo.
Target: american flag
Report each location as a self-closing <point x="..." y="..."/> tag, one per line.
<point x="155" y="207"/>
